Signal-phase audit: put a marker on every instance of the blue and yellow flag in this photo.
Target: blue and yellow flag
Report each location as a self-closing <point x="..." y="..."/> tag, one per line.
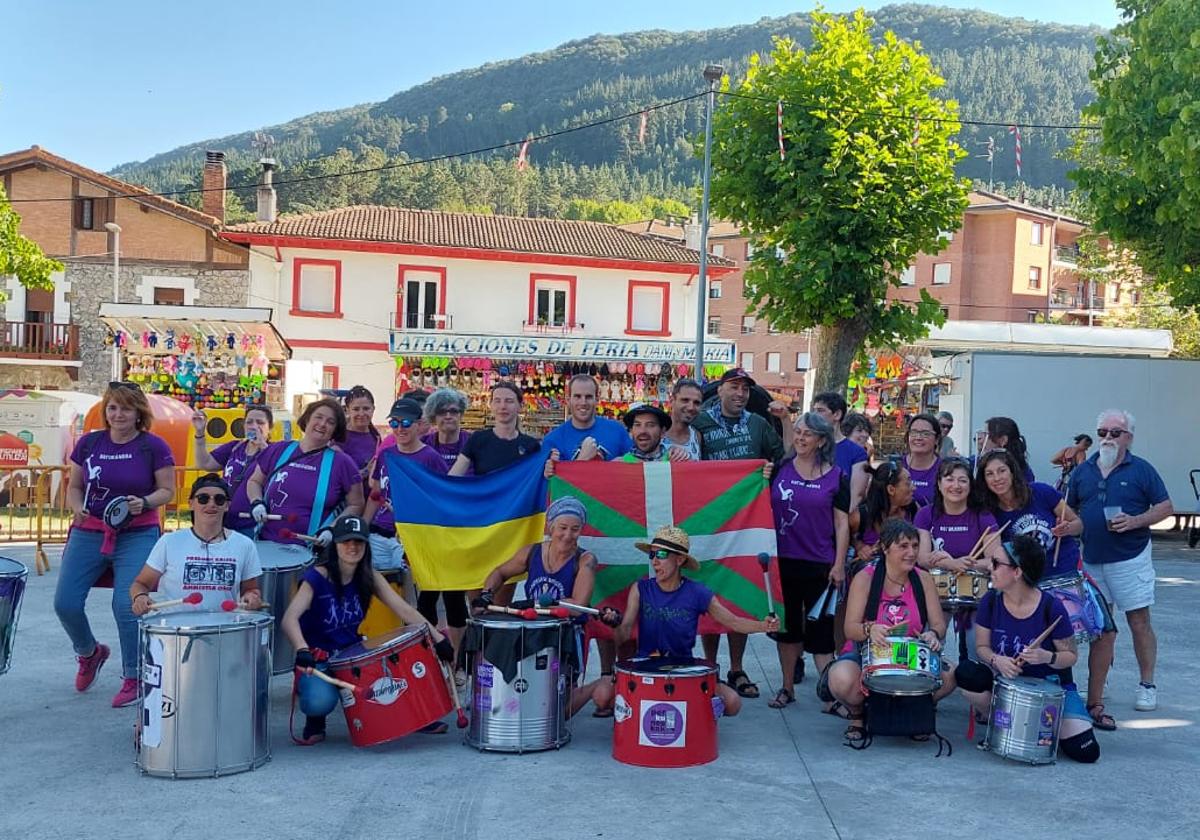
<point x="456" y="530"/>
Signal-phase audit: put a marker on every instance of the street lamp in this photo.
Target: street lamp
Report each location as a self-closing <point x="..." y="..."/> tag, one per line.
<point x="712" y="75"/>
<point x="115" y="230"/>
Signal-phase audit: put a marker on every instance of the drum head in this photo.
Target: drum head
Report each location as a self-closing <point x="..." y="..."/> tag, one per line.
<point x="678" y="666"/>
<point x="204" y="622"/>
<point x="370" y="648"/>
<point x="1031" y="685"/>
<point x="11" y="568"/>
<point x="116" y="513"/>
<point x="282" y="557"/>
<point x="502" y="621"/>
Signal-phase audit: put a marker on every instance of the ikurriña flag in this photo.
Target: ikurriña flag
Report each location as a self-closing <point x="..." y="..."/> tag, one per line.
<point x="724" y="506"/>
<point x="455" y="530"/>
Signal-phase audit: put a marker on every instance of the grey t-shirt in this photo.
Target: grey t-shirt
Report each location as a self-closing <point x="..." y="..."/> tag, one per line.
<point x="215" y="570"/>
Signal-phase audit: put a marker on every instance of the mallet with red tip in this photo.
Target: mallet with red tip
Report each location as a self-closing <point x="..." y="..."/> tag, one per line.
<point x="229" y="605"/>
<point x="289" y="534"/>
<point x="273" y="517"/>
<point x="194" y="598"/>
<point x="764" y="560"/>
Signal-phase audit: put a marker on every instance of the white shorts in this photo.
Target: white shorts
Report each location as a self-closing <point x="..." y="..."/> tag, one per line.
<point x="1129" y="584"/>
<point x="386" y="553"/>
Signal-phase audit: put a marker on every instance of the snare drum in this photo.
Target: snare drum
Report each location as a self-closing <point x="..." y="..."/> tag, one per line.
<point x="204" y="704"/>
<point x="401" y="685"/>
<point x="1086" y="618"/>
<point x="1026" y="713"/>
<point x="12" y="591"/>
<point x="524" y="673"/>
<point x="960" y="590"/>
<point x="901" y="666"/>
<point x="664" y="714"/>
<point x="283" y="566"/>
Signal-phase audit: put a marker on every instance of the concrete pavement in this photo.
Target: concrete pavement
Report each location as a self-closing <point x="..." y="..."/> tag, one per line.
<point x="66" y="764"/>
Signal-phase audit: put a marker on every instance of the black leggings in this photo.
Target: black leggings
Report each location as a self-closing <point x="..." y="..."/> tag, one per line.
<point x="803" y="583"/>
<point x="455" y="603"/>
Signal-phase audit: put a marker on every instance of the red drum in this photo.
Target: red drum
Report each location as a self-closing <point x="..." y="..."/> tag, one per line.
<point x="664" y="713"/>
<point x="400" y="685"/>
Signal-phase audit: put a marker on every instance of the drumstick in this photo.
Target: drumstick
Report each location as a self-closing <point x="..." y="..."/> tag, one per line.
<point x="764" y="560"/>
<point x="458" y="709"/>
<point x="1041" y="637"/>
<point x="274" y="517"/>
<point x="1057" y="546"/>
<point x="321" y="675"/>
<point x="527" y="613"/>
<point x="289" y="534"/>
<point x="194" y="598"/>
<point x="989" y="542"/>
<point x="979" y="541"/>
<point x="567" y="605"/>
<point x="229" y="605"/>
<point x="557" y="612"/>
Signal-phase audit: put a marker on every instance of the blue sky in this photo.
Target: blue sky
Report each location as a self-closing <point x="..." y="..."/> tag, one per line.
<point x="106" y="83"/>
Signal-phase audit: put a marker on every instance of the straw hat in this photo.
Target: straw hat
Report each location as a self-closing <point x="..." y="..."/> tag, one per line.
<point x="674" y="540"/>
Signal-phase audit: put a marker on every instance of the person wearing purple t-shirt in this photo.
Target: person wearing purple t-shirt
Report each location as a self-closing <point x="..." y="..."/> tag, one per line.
<point x="1010" y="617"/>
<point x="889" y="496"/>
<point x="810" y="500"/>
<point x="362" y="438"/>
<point x="123" y="466"/>
<point x="922" y="441"/>
<point x="666" y="610"/>
<point x="236" y="460"/>
<point x="444" y="410"/>
<point x="290" y="475"/>
<point x="953" y="524"/>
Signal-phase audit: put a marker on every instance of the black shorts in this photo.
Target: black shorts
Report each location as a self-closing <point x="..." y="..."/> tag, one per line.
<point x="455" y="603"/>
<point x="803" y="583"/>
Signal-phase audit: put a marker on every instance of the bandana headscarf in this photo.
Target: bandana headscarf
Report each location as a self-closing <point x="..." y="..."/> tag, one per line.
<point x="566" y="506"/>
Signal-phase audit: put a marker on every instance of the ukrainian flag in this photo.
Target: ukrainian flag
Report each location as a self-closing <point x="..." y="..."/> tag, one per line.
<point x="455" y="530"/>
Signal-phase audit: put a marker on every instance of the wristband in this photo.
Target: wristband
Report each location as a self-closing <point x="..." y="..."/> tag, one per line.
<point x="146" y="504"/>
<point x="141" y="595"/>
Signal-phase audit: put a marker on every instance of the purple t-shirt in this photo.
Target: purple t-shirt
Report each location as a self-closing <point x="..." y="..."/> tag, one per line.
<point x="290" y="491"/>
<point x="448" y="451"/>
<point x="112" y="469"/>
<point x="924" y="481"/>
<point x="331" y="623"/>
<point x="360" y="446"/>
<point x="237" y="466"/>
<point x="426" y="457"/>
<point x="955" y="534"/>
<point x="803" y="511"/>
<point x="667" y="620"/>
<point x="1036" y="519"/>
<point x="1010" y="635"/>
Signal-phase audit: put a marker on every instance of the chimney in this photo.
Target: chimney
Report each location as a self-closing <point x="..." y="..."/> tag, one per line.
<point x="691" y="233"/>
<point x="266" y="191"/>
<point x="213" y="183"/>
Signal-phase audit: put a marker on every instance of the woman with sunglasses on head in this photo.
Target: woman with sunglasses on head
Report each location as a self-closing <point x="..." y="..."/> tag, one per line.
<point x="907" y="606"/>
<point x="236" y="460"/>
<point x="889" y="496"/>
<point x="1003" y="433"/>
<point x="119" y="476"/>
<point x="362" y="438"/>
<point x="922" y="441"/>
<point x="1010" y="616"/>
<point x="208" y="559"/>
<point x="444" y="410"/>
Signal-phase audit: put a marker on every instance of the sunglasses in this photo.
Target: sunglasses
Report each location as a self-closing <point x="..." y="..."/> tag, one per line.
<point x="659" y="554"/>
<point x="447" y="411"/>
<point x="132" y="386"/>
<point x="218" y="499"/>
<point x="398" y="423"/>
<point x="1111" y="433"/>
<point x="946" y="426"/>
<point x="996" y="564"/>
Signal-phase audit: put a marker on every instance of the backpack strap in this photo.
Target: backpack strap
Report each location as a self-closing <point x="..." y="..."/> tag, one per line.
<point x="315" y="520"/>
<point x="876" y="592"/>
<point x="918" y="591"/>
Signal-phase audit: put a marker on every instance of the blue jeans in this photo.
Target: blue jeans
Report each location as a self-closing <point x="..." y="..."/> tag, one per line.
<point x="82" y="565"/>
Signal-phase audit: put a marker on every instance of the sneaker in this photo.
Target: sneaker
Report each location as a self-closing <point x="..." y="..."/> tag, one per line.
<point x="128" y="695"/>
<point x="89" y="667"/>
<point x="310" y="740"/>
<point x="1145" y="698"/>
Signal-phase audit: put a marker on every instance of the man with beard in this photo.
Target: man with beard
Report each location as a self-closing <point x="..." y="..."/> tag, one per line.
<point x="1119" y="496"/>
<point x="584" y="436"/>
<point x="646" y="424"/>
<point x="686" y="397"/>
<point x="731" y="432"/>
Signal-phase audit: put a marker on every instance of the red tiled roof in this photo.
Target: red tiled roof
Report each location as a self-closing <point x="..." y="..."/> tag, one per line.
<point x="560" y="237"/>
<point x="37" y="155"/>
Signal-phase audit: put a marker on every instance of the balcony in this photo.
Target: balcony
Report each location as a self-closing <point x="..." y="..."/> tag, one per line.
<point x="1075" y="301"/>
<point x="35" y="340"/>
<point x="1068" y="254"/>
<point x="420" y="321"/>
<point x="540" y="328"/>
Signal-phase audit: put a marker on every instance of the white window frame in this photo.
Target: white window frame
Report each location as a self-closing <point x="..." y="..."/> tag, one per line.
<point x="651" y="321"/>
<point x="553" y="288"/>
<point x="1037" y="233"/>
<point x="747" y="325"/>
<point x="774" y="362"/>
<point x="908" y="277"/>
<point x="713" y="321"/>
<point x="424" y="284"/>
<point x="1034" y="279"/>
<point x="718" y="250"/>
<point x="948" y="273"/>
<point x="714" y="290"/>
<point x="747" y="361"/>
<point x="149" y="282"/>
<point x="803" y="360"/>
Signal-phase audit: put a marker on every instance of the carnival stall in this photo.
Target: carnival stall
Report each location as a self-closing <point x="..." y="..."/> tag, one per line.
<point x="889" y="388"/>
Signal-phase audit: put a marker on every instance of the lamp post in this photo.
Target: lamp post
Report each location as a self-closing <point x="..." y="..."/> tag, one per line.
<point x="712" y="75"/>
<point x="115" y="230"/>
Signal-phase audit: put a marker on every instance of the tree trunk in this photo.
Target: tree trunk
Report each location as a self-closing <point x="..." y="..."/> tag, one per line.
<point x="835" y="348"/>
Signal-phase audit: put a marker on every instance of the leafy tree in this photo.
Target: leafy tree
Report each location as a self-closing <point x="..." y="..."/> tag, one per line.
<point x="1156" y="312"/>
<point x="21" y="256"/>
<point x="858" y="195"/>
<point x="1142" y="175"/>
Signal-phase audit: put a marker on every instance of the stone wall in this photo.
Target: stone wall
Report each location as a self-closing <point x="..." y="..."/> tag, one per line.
<point x="91" y="285"/>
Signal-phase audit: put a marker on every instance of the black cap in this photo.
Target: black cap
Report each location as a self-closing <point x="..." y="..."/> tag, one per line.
<point x="406" y="409"/>
<point x="213" y="480"/>
<point x="736" y="373"/>
<point x="350" y="528"/>
<point x="663" y="418"/>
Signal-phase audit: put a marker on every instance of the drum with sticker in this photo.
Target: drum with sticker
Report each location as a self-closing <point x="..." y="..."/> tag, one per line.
<point x="1026" y="713"/>
<point x="204" y="702"/>
<point x="1087" y="618"/>
<point x="400" y="685"/>
<point x="663" y="714"/>
<point x="901" y="666"/>
<point x="523" y="674"/>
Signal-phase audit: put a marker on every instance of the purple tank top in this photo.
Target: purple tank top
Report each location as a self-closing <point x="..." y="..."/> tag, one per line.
<point x="667" y="620"/>
<point x="557" y="585"/>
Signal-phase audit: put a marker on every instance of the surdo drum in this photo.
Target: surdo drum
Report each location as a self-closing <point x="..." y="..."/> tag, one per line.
<point x="1026" y="714"/>
<point x="282" y="568"/>
<point x="960" y="590"/>
<point x="1083" y="608"/>
<point x="12" y="592"/>
<point x="663" y="714"/>
<point x="204" y="700"/>
<point x="901" y="666"/>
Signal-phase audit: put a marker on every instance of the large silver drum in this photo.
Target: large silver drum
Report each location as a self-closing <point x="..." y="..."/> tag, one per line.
<point x="1026" y="713"/>
<point x="204" y="693"/>
<point x="523" y="672"/>
<point x="12" y="591"/>
<point x="283" y="566"/>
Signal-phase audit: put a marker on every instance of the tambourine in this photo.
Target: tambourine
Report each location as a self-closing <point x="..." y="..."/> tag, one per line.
<point x="117" y="514"/>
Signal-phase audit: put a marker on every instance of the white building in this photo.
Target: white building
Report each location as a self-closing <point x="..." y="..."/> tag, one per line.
<point x="356" y="288"/>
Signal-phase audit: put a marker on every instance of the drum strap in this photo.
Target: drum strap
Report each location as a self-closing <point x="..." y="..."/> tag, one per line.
<point x="315" y="521"/>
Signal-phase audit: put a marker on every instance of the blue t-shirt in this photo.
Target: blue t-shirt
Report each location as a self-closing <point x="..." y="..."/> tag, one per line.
<point x="611" y="436"/>
<point x="557" y="585"/>
<point x="847" y="453"/>
<point x="1036" y="519"/>
<point x="667" y="620"/>
<point x="331" y="623"/>
<point x="1010" y="635"/>
<point x="1134" y="486"/>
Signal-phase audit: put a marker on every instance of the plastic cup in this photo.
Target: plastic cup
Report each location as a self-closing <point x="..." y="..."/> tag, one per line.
<point x="1110" y="513"/>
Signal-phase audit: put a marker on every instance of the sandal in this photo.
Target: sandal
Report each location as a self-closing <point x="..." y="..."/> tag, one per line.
<point x="856" y="731"/>
<point x="1100" y="720"/>
<point x="603" y="713"/>
<point x="782" y="698"/>
<point x="837" y="710"/>
<point x="740" y="683"/>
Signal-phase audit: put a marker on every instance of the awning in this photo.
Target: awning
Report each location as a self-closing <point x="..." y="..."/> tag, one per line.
<point x="218" y="321"/>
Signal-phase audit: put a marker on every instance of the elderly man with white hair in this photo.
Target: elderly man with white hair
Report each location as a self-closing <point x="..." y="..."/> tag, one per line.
<point x="1118" y="497"/>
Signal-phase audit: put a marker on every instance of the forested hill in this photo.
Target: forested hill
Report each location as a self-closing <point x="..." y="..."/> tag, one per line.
<point x="999" y="69"/>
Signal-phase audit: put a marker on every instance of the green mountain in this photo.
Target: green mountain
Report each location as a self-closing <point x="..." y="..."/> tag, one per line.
<point x="999" y="69"/>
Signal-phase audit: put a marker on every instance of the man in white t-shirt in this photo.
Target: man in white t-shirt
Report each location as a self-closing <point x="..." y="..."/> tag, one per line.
<point x="208" y="558"/>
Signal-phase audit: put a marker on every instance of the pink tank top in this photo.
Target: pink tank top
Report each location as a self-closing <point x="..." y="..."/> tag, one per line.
<point x="893" y="609"/>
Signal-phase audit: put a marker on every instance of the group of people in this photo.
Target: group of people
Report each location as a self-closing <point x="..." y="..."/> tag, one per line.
<point x="876" y="530"/>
